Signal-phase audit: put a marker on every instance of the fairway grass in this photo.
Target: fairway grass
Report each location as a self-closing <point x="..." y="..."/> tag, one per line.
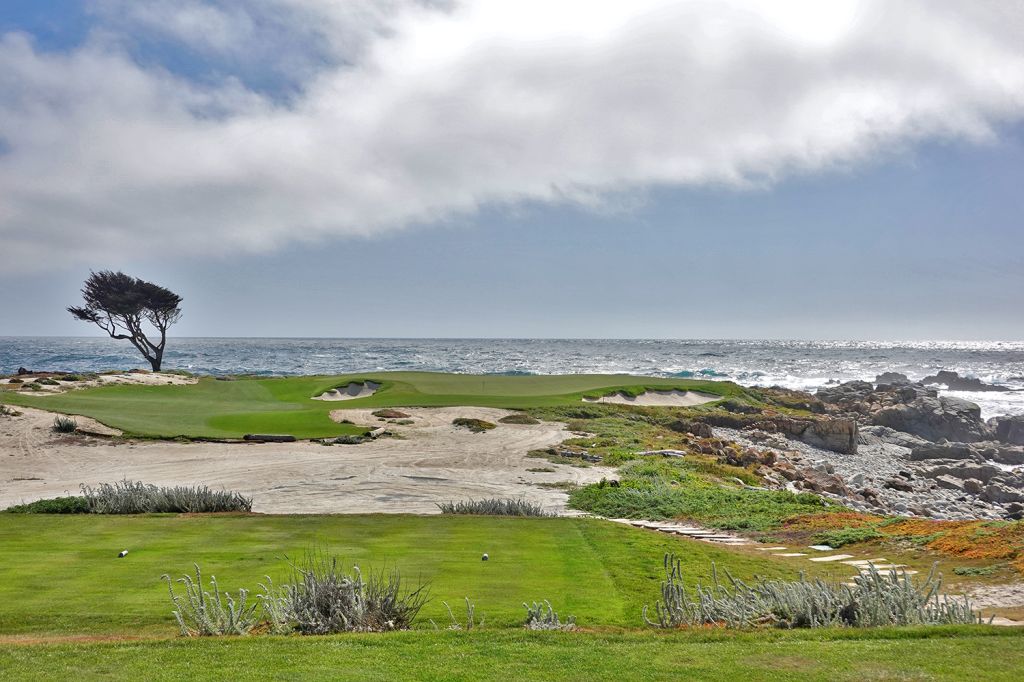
<point x="230" y="409"/>
<point x="69" y="608"/>
<point x="60" y="575"/>
<point x="935" y="654"/>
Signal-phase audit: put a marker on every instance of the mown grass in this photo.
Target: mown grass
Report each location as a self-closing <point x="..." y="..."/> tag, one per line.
<point x="60" y="575"/>
<point x="976" y="653"/>
<point x="230" y="409"/>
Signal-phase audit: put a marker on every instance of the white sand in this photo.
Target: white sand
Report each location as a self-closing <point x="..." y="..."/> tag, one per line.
<point x="673" y="398"/>
<point x="434" y="462"/>
<point x="350" y="391"/>
<point x="140" y="378"/>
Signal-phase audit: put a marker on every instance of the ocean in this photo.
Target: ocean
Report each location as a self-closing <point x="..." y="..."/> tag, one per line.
<point x="804" y="365"/>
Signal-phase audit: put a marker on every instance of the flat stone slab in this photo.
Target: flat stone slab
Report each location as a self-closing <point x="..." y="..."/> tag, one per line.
<point x="771" y="549"/>
<point x="835" y="557"/>
<point x="823" y="548"/>
<point x="885" y="568"/>
<point x="792" y="554"/>
<point x="865" y="562"/>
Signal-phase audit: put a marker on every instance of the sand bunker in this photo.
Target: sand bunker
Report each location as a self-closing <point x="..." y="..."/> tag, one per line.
<point x="350" y="391"/>
<point x="673" y="398"/>
<point x="432" y="462"/>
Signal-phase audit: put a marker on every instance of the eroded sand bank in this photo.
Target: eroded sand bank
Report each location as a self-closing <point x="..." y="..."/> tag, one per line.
<point x="673" y="398"/>
<point x="434" y="462"/>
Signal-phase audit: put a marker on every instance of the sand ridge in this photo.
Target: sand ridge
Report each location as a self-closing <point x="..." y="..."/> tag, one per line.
<point x="671" y="398"/>
<point x="350" y="391"/>
<point x="138" y="378"/>
<point x="432" y="462"/>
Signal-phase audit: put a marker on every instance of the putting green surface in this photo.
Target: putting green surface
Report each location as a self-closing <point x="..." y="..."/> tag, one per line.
<point x="230" y="409"/>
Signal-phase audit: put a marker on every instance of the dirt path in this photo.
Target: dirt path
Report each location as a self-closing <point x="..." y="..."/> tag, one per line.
<point x="431" y="462"/>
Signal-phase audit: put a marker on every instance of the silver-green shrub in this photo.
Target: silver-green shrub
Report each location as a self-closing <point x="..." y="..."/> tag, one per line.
<point x="202" y="613"/>
<point x="454" y="624"/>
<point x="494" y="507"/>
<point x="541" y="616"/>
<point x="875" y="599"/>
<point x="134" y="497"/>
<point x="323" y="599"/>
<point x="64" y="425"/>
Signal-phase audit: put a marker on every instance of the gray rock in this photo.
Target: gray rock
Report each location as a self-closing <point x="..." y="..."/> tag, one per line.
<point x="891" y="379"/>
<point x="949" y="482"/>
<point x="973" y="486"/>
<point x="884" y="434"/>
<point x="995" y="492"/>
<point x="935" y="418"/>
<point x="955" y="382"/>
<point x="1008" y="429"/>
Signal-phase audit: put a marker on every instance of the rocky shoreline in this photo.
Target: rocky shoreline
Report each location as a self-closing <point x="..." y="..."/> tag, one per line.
<point x="892" y="447"/>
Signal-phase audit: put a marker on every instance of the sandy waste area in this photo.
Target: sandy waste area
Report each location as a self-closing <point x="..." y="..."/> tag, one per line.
<point x="430" y="461"/>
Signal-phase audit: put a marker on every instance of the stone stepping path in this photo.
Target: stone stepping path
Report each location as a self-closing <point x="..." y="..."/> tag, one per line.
<point x="835" y="557"/>
<point x="792" y="554"/>
<point x="689" y="531"/>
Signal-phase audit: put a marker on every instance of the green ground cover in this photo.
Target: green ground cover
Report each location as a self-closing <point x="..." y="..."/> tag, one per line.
<point x="230" y="409"/>
<point x="61" y="574"/>
<point x="935" y="654"/>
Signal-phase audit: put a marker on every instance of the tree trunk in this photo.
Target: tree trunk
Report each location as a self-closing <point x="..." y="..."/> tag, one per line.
<point x="156" y="361"/>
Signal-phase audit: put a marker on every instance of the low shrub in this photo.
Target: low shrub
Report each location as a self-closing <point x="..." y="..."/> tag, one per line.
<point x="519" y="418"/>
<point x="474" y="425"/>
<point x="134" y="497"/>
<point x="494" y="507"/>
<point x="65" y="425"/>
<point x="388" y="413"/>
<point x="202" y="613"/>
<point x="322" y="599"/>
<point x="15" y="380"/>
<point x="876" y="599"/>
<point x="543" y="617"/>
<point x="6" y="411"/>
<point x="848" y="536"/>
<point x="454" y="624"/>
<point x="56" y="505"/>
<point x="46" y="381"/>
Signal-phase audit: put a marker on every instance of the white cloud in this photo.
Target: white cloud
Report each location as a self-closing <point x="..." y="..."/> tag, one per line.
<point x="426" y="111"/>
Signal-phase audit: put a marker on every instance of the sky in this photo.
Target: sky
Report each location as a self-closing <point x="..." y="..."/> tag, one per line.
<point x="403" y="168"/>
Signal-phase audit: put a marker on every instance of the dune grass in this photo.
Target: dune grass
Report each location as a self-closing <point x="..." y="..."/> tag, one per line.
<point x="230" y="409"/>
<point x="61" y="575"/>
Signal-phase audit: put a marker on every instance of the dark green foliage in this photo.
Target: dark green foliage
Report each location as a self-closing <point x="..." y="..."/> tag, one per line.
<point x="671" y="488"/>
<point x="977" y="570"/>
<point x="494" y="507"/>
<point x="519" y="418"/>
<point x="120" y="305"/>
<point x="388" y="413"/>
<point x="46" y="381"/>
<point x="56" y="505"/>
<point x="848" y="536"/>
<point x="474" y="425"/>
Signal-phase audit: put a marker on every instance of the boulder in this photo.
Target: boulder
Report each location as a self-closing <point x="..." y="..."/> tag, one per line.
<point x="949" y="482"/>
<point x="838" y="435"/>
<point x="955" y="382"/>
<point x="845" y="393"/>
<point x="999" y="493"/>
<point x="935" y="418"/>
<point x="973" y="486"/>
<point x="891" y="379"/>
<point x="944" y="450"/>
<point x="884" y="434"/>
<point x="699" y="429"/>
<point x="1008" y="429"/>
<point x="900" y="484"/>
<point x="981" y="472"/>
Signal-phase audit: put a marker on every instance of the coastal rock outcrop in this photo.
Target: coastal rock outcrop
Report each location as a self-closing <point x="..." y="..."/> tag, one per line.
<point x="954" y="382"/>
<point x="1008" y="429"/>
<point x="935" y="418"/>
<point x="891" y="378"/>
